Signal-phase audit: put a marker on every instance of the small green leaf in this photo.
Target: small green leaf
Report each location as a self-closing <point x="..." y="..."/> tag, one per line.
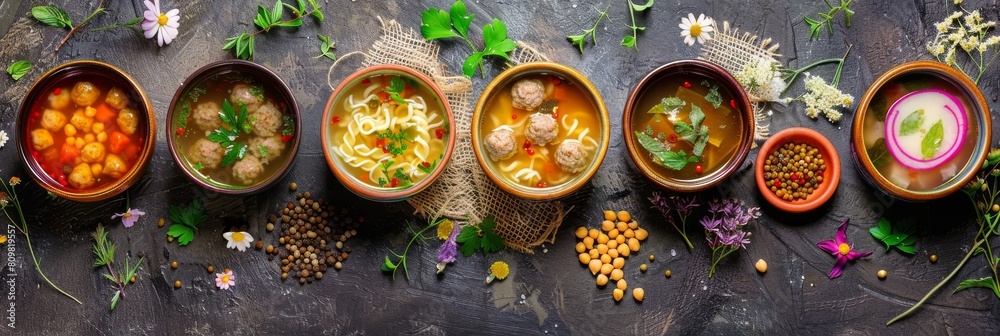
<point x="52" y="16"/>
<point x="628" y="41"/>
<point x="436" y="24"/>
<point x="911" y="124"/>
<point x="932" y="141"/>
<point x="667" y="105"/>
<point x="986" y="282"/>
<point x="263" y="19"/>
<point x="908" y="249"/>
<point x="895" y="238"/>
<point x="115" y="299"/>
<point x="469" y="67"/>
<point x="388" y="265"/>
<point x="278" y="11"/>
<point x="577" y="40"/>
<point x="460" y="19"/>
<point x="469" y="238"/>
<point x="639" y="8"/>
<point x="18" y="69"/>
<point x="879" y="153"/>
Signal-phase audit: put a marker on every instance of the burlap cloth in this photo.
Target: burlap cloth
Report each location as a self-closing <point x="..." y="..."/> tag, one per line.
<point x="463" y="192"/>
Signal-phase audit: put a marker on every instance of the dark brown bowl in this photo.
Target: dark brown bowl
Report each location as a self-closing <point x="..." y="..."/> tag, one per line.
<point x="89" y="69"/>
<point x="725" y="80"/>
<point x="259" y="72"/>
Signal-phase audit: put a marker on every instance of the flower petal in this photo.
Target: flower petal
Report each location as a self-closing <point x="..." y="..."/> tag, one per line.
<point x="159" y="36"/>
<point x="707" y="29"/>
<point x="117" y="215"/>
<point x="173" y="13"/>
<point x="228" y="236"/>
<point x="691" y="17"/>
<point x="149" y="16"/>
<point x="857" y="255"/>
<point x="150" y="6"/>
<point x="701" y="17"/>
<point x="689" y="40"/>
<point x="174" y="22"/>
<point x="701" y="38"/>
<point x="147" y="26"/>
<point x="829" y="246"/>
<point x="838" y="267"/>
<point x="685" y="25"/>
<point x="842" y="232"/>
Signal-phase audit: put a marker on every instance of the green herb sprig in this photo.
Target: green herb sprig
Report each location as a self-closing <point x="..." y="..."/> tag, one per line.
<point x="400" y="258"/>
<point x="396" y="87"/>
<point x="185" y="220"/>
<point x="629" y="40"/>
<point x="243" y="44"/>
<point x="226" y="136"/>
<point x="826" y="18"/>
<point x="104" y="250"/>
<point x="56" y="17"/>
<point x="18" y="69"/>
<point x="325" y="46"/>
<point x="580" y="39"/>
<point x="790" y="75"/>
<point x="438" y="24"/>
<point x="899" y="236"/>
<point x="480" y="237"/>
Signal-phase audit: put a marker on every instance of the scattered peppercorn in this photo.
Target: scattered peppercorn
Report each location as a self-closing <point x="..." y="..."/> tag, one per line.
<point x="174" y="265"/>
<point x="667" y="273"/>
<point x="270" y="227"/>
<point x="260" y="245"/>
<point x="177" y="284"/>
<point x="293" y="186"/>
<point x="794" y="171"/>
<point x="210" y="269"/>
<point x="313" y="237"/>
<point x="933" y="258"/>
<point x="882" y="274"/>
<point x="170" y="239"/>
<point x="160" y="222"/>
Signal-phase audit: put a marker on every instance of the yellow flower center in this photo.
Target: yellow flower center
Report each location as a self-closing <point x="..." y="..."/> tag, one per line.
<point x="844" y="249"/>
<point x="127" y="215"/>
<point x="695" y="30"/>
<point x="237" y="237"/>
<point x="225" y="279"/>
<point x="162" y="20"/>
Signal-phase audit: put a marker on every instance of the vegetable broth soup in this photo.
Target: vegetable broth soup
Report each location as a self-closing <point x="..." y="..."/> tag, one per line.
<point x="389" y="131"/>
<point x="691" y="126"/>
<point x="233" y="130"/>
<point x="540" y="131"/>
<point x="919" y="131"/>
<point x="86" y="133"/>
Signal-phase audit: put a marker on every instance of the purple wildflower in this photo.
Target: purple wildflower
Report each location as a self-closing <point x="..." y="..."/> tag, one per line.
<point x="449" y="250"/>
<point x="725" y="228"/>
<point x="683" y="206"/>
<point x="129" y="217"/>
<point x="840" y="248"/>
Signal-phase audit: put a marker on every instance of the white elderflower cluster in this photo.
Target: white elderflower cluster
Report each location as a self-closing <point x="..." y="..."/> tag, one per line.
<point x="967" y="32"/>
<point x="822" y="98"/>
<point x="762" y="81"/>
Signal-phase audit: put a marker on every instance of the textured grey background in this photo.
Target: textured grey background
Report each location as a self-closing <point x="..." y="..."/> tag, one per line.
<point x="559" y="297"/>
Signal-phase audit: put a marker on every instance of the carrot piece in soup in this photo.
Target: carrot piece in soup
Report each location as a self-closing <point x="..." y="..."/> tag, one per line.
<point x="105" y="113"/>
<point x="68" y="153"/>
<point x="131" y="151"/>
<point x="118" y="141"/>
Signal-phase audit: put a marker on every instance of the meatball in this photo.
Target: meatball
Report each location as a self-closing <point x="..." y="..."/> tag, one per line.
<point x="206" y="116"/>
<point x="571" y="156"/>
<point x="117" y="98"/>
<point x="527" y="94"/>
<point x="53" y="120"/>
<point x="207" y="152"/>
<point x="81" y="121"/>
<point x="272" y="145"/>
<point x="248" y="169"/>
<point x="128" y="120"/>
<point x="266" y="120"/>
<point x="115" y="166"/>
<point x="58" y="101"/>
<point x="541" y="129"/>
<point x="501" y="143"/>
<point x="81" y="177"/>
<point x="242" y="93"/>
<point x="42" y="139"/>
<point x="85" y="93"/>
<point x="92" y="152"/>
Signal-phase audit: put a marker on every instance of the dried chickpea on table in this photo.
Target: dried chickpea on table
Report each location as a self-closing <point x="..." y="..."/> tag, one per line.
<point x="604" y="250"/>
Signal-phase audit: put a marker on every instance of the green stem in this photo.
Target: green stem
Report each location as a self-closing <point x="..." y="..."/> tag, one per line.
<point x="418" y="234"/>
<point x="482" y="68"/>
<point x="684" y="231"/>
<point x="635" y="34"/>
<point x="99" y="10"/>
<point x="939" y="285"/>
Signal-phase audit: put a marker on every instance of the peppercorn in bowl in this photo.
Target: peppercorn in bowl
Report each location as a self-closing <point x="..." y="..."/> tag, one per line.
<point x="797" y="170"/>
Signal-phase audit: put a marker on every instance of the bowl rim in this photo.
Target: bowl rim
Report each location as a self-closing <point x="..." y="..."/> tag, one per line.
<point x="831" y="176"/>
<point x="963" y="83"/>
<point x="364" y="190"/>
<point x="238" y="65"/>
<point x="746" y="111"/>
<point x="112" y="189"/>
<point x="518" y="71"/>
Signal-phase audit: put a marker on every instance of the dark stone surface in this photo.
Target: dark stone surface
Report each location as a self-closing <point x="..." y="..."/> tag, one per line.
<point x="559" y="297"/>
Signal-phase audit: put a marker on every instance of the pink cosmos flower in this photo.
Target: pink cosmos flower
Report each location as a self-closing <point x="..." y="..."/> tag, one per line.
<point x="129" y="217"/>
<point x="156" y="23"/>
<point x="841" y="249"/>
<point x="225" y="280"/>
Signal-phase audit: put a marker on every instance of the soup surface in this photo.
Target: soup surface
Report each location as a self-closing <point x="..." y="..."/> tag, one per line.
<point x="539" y="131"/>
<point x="86" y="133"/>
<point x="389" y="131"/>
<point x="918" y="131"/>
<point x="687" y="125"/>
<point x="233" y="130"/>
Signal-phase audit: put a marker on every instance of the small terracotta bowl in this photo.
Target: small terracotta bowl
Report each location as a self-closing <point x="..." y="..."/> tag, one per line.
<point x="966" y="91"/>
<point x="831" y="176"/>
<point x="565" y="73"/>
<point x="337" y="164"/>
<point x="199" y="80"/>
<point x="66" y="74"/>
<point x="701" y="69"/>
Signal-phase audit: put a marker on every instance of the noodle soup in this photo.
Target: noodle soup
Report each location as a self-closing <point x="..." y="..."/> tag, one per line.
<point x="388" y="132"/>
<point x="540" y="131"/>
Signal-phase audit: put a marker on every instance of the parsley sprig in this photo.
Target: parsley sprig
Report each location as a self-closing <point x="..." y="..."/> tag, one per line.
<point x="438" y="24"/>
<point x="394" y="141"/>
<point x="226" y="136"/>
<point x="581" y="39"/>
<point x="480" y="237"/>
<point x="325" y="45"/>
<point x="185" y="220"/>
<point x="629" y="40"/>
<point x="243" y="44"/>
<point x="694" y="133"/>
<point x="104" y="249"/>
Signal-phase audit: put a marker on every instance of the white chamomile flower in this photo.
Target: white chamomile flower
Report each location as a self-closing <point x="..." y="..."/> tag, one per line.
<point x="238" y="240"/>
<point x="699" y="30"/>
<point x="3" y="138"/>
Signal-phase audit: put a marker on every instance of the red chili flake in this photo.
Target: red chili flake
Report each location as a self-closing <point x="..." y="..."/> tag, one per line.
<point x="802" y="181"/>
<point x="336" y="119"/>
<point x="672" y="138"/>
<point x="777" y="183"/>
<point x="555" y="115"/>
<point x="361" y="219"/>
<point x="698" y="169"/>
<point x="286" y="138"/>
<point x="819" y="173"/>
<point x="527" y="144"/>
<point x="379" y="142"/>
<point x="556" y="80"/>
<point x="426" y="164"/>
<point x="366" y="81"/>
<point x="795" y="176"/>
<point x="732" y="102"/>
<point x="393" y="182"/>
<point x="218" y="89"/>
<point x="687" y="85"/>
<point x="513" y="116"/>
<point x="180" y="131"/>
<point x="385" y="149"/>
<point x="57" y="92"/>
<point x="542" y="184"/>
<point x="530" y="151"/>
<point x="439" y="133"/>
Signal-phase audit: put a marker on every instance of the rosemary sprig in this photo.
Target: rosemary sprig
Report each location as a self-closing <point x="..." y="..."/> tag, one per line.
<point x="104" y="249"/>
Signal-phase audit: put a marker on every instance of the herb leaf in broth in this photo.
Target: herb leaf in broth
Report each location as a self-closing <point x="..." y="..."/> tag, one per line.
<point x="932" y="141"/>
<point x="257" y="91"/>
<point x="667" y="105"/>
<point x="264" y="152"/>
<point x="183" y="114"/>
<point x="911" y="124"/>
<point x="234" y="152"/>
<point x="713" y="95"/>
<point x="196" y="93"/>
<point x="289" y="126"/>
<point x="694" y="133"/>
<point x="663" y="156"/>
<point x="879" y="153"/>
<point x="226" y="136"/>
<point x="395" y="88"/>
<point x="548" y="106"/>
<point x="877" y="108"/>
